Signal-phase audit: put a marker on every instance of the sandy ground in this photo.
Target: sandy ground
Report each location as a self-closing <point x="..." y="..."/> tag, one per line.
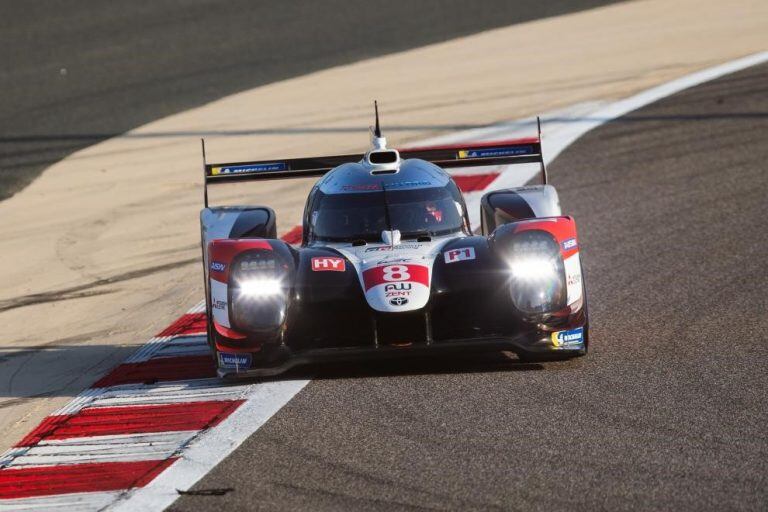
<point x="101" y="251"/>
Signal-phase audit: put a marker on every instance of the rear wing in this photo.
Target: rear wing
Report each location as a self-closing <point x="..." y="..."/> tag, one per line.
<point x="499" y="152"/>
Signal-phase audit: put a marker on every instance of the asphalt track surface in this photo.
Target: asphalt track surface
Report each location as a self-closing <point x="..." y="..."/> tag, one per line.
<point x="75" y="73"/>
<point x="668" y="411"/>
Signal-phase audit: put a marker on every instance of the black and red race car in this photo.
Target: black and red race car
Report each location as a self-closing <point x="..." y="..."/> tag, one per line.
<point x="388" y="264"/>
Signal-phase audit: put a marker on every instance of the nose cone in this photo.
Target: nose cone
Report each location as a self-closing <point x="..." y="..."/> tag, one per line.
<point x="396" y="287"/>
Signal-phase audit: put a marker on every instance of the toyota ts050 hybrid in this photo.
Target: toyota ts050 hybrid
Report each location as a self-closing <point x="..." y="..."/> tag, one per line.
<point x="388" y="264"/>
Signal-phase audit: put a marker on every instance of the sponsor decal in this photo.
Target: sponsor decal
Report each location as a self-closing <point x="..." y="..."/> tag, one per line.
<point x="217" y="266"/>
<point x="495" y="152"/>
<point x="229" y="360"/>
<point x="219" y="304"/>
<point x="397" y="287"/>
<point x="574" y="279"/>
<point x="398" y="301"/>
<point x="246" y="169"/>
<point x="363" y="187"/>
<point x="460" y="254"/>
<point x="569" y="244"/>
<point x="328" y="264"/>
<point x="405" y="184"/>
<point x="567" y="338"/>
<point x="397" y="290"/>
<point x="389" y="260"/>
<point x="399" y="247"/>
<point x="387" y="274"/>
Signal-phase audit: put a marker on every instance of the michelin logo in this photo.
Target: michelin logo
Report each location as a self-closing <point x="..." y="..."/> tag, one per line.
<point x="568" y="338"/>
<point x="245" y="169"/>
<point x="228" y="360"/>
<point x="496" y="152"/>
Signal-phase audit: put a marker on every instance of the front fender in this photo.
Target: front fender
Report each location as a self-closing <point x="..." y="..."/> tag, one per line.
<point x="250" y="285"/>
<point x="562" y="231"/>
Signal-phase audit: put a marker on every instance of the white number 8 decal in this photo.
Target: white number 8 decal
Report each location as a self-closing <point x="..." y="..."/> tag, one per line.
<point x="396" y="273"/>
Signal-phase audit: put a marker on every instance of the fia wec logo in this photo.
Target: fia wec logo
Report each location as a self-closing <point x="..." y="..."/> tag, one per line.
<point x="328" y="264"/>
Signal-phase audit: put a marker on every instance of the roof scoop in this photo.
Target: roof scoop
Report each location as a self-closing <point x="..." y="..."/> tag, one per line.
<point x="381" y="159"/>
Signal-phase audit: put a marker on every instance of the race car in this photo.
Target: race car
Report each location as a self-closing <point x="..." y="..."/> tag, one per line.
<point x="388" y="264"/>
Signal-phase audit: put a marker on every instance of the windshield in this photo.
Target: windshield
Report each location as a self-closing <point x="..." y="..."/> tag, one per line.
<point x="363" y="216"/>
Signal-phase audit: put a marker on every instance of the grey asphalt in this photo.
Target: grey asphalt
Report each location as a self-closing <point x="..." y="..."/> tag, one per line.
<point x="73" y="73"/>
<point x="668" y="411"/>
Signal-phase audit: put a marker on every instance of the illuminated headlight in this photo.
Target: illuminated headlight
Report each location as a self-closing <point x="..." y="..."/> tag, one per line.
<point x="259" y="287"/>
<point x="537" y="277"/>
<point x="258" y="292"/>
<point x="533" y="268"/>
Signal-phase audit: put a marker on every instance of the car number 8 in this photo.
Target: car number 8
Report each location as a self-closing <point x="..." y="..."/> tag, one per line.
<point x="396" y="273"/>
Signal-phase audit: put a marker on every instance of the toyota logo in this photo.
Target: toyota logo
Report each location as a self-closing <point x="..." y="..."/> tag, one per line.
<point x="398" y="301"/>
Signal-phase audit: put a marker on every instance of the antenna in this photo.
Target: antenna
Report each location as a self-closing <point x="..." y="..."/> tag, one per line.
<point x="377" y="130"/>
<point x="205" y="176"/>
<point x="544" y="178"/>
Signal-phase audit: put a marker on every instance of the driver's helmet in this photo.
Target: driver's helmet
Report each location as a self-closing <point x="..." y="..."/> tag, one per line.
<point x="433" y="212"/>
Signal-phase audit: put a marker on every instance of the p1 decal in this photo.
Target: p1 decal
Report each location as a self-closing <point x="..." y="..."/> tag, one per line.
<point x="230" y="360"/>
<point x="395" y="273"/>
<point x="569" y="244"/>
<point x="328" y="264"/>
<point x="568" y="338"/>
<point x="460" y="254"/>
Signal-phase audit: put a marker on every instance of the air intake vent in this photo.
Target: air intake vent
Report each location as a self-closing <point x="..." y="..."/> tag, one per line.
<point x="382" y="157"/>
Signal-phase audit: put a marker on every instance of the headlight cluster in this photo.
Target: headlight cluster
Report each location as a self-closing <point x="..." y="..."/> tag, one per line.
<point x="537" y="276"/>
<point x="258" y="291"/>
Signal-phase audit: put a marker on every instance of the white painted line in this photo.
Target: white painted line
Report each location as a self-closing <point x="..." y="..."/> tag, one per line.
<point x="114" y="448"/>
<point x="146" y="351"/>
<point x="212" y="446"/>
<point x="79" y="502"/>
<point x="173" y="392"/>
<point x="195" y="345"/>
<point x="157" y="394"/>
<point x="579" y="126"/>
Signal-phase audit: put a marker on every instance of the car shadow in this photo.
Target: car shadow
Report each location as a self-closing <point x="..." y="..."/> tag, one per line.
<point x="490" y="362"/>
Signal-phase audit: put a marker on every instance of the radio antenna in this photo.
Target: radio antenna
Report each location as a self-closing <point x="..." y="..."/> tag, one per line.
<point x="377" y="130"/>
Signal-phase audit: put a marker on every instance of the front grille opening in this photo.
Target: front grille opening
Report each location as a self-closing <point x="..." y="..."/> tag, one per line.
<point x="401" y="329"/>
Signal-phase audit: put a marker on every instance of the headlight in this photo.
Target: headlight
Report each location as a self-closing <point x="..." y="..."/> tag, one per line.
<point x="537" y="277"/>
<point x="256" y="287"/>
<point x="258" y="292"/>
<point x="533" y="268"/>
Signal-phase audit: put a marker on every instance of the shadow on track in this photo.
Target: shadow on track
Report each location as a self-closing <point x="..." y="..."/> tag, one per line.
<point x="490" y="362"/>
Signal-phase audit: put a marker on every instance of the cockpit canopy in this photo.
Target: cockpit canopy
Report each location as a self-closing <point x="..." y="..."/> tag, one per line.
<point x="350" y="204"/>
